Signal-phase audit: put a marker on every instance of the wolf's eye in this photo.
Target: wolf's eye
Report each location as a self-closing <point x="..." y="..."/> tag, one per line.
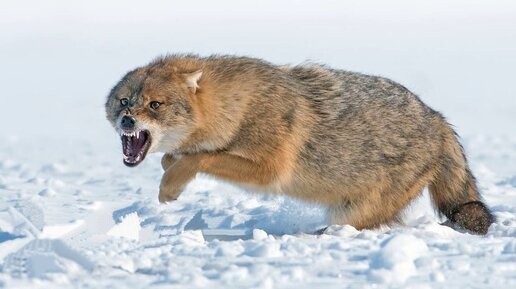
<point x="124" y="101"/>
<point x="154" y="104"/>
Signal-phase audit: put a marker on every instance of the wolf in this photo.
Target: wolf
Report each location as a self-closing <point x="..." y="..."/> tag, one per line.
<point x="363" y="146"/>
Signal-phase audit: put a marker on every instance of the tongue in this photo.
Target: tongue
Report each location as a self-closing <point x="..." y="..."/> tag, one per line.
<point x="132" y="146"/>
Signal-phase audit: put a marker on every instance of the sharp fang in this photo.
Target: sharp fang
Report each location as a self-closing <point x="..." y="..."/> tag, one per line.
<point x="138" y="134"/>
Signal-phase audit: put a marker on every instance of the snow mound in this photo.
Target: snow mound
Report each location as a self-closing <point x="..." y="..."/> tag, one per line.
<point x="394" y="262"/>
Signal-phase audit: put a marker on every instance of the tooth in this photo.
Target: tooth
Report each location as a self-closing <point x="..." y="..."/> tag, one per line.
<point x="138" y="134"/>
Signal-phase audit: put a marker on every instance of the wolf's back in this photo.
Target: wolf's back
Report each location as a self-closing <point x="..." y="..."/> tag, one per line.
<point x="377" y="135"/>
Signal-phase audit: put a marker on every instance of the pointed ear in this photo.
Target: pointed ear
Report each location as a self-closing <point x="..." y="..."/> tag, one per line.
<point x="192" y="80"/>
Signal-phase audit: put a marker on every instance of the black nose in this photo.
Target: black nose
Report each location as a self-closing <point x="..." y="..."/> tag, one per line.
<point x="128" y="122"/>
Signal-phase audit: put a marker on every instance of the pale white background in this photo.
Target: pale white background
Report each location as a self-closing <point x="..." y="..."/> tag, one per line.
<point x="58" y="59"/>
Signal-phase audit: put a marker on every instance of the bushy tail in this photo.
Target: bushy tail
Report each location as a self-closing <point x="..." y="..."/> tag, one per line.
<point x="454" y="190"/>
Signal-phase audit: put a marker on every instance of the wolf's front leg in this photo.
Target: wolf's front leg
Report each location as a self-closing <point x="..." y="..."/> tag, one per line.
<point x="168" y="160"/>
<point x="237" y="169"/>
<point x="225" y="166"/>
<point x="178" y="173"/>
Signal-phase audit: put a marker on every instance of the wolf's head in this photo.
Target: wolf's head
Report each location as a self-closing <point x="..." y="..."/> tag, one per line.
<point x="151" y="109"/>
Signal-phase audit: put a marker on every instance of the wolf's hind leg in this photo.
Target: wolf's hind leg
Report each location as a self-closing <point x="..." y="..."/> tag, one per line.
<point x="377" y="207"/>
<point x="363" y="215"/>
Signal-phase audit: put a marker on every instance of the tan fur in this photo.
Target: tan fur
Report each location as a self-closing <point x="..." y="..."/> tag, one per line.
<point x="362" y="145"/>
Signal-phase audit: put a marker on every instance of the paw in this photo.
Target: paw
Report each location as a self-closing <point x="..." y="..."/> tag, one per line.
<point x="171" y="187"/>
<point x="165" y="198"/>
<point x="168" y="195"/>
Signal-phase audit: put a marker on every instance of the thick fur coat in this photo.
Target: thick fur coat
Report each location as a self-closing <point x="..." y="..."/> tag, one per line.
<point x="362" y="145"/>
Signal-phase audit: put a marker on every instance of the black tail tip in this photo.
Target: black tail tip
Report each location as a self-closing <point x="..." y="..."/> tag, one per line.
<point x="473" y="216"/>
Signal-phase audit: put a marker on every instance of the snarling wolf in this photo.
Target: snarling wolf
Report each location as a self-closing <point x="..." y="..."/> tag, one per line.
<point x="364" y="146"/>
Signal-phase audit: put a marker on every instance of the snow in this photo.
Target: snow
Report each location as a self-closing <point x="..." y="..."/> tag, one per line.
<point x="105" y="228"/>
<point x="394" y="262"/>
<point x="73" y="216"/>
<point x="128" y="228"/>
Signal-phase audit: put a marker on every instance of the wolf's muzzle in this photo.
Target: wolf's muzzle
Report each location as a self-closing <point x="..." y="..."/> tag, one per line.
<point x="128" y="122"/>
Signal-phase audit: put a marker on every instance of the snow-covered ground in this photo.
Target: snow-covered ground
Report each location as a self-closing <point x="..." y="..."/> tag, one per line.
<point x="72" y="215"/>
<point x="77" y="217"/>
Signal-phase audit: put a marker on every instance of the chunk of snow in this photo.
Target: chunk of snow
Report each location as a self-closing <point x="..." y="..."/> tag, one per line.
<point x="128" y="228"/>
<point x="394" y="262"/>
<point x="57" y="231"/>
<point x="510" y="248"/>
<point x="259" y="234"/>
<point x="47" y="192"/>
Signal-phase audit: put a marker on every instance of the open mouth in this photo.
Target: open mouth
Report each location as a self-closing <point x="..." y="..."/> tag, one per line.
<point x="135" y="145"/>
